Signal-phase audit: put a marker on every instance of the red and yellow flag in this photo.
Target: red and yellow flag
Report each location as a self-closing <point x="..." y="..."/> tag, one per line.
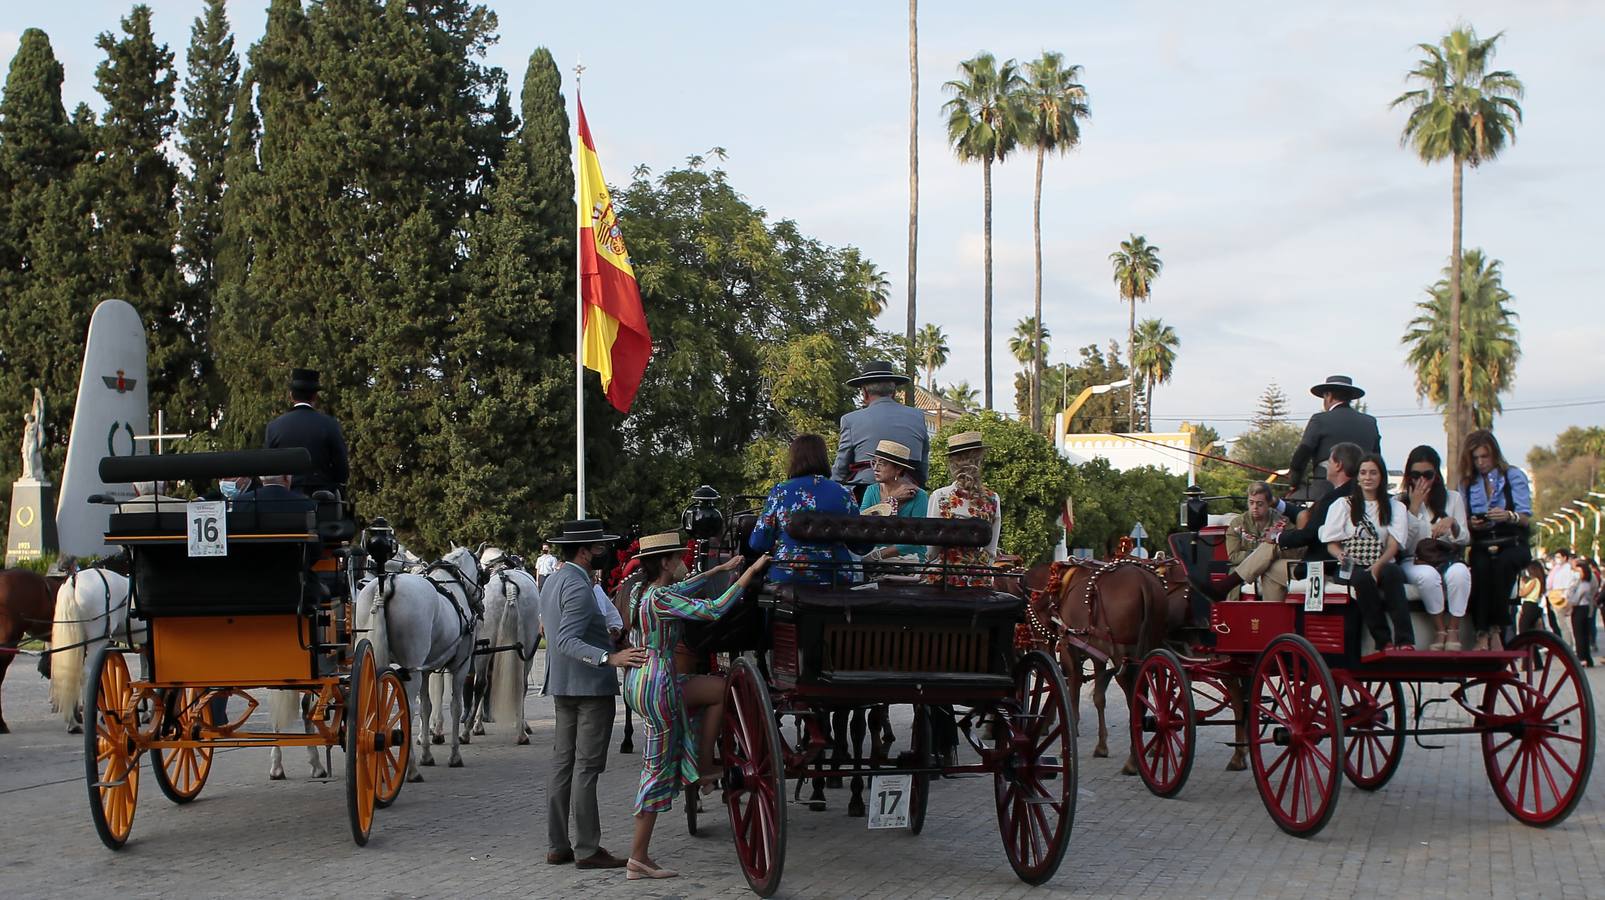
<point x="617" y="342"/>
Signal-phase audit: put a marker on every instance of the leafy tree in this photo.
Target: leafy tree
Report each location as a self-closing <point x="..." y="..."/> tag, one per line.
<point x="961" y="394"/>
<point x="1270" y="447"/>
<point x="983" y="123"/>
<point x="1154" y="354"/>
<point x="1460" y="111"/>
<point x="931" y="349"/>
<point x="1028" y="474"/>
<point x="1568" y="469"/>
<point x="1490" y="344"/>
<point x="1052" y="99"/>
<point x="1136" y="266"/>
<point x="1272" y="407"/>
<point x="1101" y="412"/>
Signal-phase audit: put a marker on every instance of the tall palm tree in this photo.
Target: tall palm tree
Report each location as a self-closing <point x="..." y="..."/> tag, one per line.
<point x="913" y="169"/>
<point x="1154" y="360"/>
<point x="961" y="394"/>
<point x="1029" y="344"/>
<point x="1489" y="340"/>
<point x="983" y="124"/>
<point x="1053" y="99"/>
<point x="931" y="349"/>
<point x="1462" y="112"/>
<point x="1136" y="264"/>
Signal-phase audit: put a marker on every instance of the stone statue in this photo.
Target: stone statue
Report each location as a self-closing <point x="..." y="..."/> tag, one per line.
<point x="33" y="440"/>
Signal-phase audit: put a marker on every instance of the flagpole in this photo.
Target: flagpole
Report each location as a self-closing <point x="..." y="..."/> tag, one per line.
<point x="579" y="314"/>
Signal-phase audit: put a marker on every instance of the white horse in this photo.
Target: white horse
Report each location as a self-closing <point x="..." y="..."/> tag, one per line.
<point x="426" y="623"/>
<point x="512" y="619"/>
<point x="91" y="608"/>
<point x="284" y="711"/>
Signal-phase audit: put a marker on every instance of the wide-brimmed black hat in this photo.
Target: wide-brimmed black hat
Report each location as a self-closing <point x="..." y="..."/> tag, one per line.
<point x="878" y="370"/>
<point x="304" y="380"/>
<point x="582" y="531"/>
<point x="894" y="453"/>
<point x="1342" y="385"/>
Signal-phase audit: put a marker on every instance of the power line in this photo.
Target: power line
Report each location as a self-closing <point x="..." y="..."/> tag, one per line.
<point x="1568" y="404"/>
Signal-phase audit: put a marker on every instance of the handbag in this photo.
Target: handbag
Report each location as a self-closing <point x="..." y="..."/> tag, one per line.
<point x="1557" y="599"/>
<point x="1365" y="546"/>
<point x="1503" y="534"/>
<point x="1436" y="552"/>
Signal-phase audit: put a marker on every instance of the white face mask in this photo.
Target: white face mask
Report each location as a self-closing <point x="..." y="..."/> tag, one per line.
<point x="229" y="489"/>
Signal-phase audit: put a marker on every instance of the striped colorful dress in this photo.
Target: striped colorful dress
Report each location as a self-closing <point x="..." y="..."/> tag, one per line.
<point x="652" y="691"/>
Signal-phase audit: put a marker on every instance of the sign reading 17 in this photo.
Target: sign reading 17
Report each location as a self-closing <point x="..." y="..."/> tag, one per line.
<point x="891" y="801"/>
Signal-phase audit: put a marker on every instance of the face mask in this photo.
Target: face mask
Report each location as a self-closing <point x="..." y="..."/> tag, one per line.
<point x="230" y="489"/>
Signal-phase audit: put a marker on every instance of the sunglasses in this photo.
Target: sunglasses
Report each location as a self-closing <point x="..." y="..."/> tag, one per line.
<point x="1427" y="475"/>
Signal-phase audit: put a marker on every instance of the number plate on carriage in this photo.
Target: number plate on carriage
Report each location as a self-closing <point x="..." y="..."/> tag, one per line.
<point x="888" y="800"/>
<point x="1315" y="593"/>
<point x="208" y="529"/>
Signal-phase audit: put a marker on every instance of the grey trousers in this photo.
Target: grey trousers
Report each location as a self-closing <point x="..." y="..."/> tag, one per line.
<point x="584" y="730"/>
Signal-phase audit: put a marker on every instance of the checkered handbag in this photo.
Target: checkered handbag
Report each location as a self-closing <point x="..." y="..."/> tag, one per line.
<point x="1365" y="547"/>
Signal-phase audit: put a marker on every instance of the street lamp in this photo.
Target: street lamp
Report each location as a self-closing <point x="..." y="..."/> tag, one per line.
<point x="1571" y="524"/>
<point x="1084" y="396"/>
<point x="1596" y="510"/>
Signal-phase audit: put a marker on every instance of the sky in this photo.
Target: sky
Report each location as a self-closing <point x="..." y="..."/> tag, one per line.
<point x="1251" y="142"/>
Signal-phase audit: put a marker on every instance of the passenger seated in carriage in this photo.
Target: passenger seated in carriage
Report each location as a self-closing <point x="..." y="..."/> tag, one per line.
<point x="807" y="488"/>
<point x="1365" y="534"/>
<point x="894" y="493"/>
<point x="966" y="498"/>
<point x="1251" y="545"/>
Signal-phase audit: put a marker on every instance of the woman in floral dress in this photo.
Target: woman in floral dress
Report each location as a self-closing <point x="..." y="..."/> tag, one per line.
<point x="675" y="754"/>
<point x="966" y="498"/>
<point x="807" y="488"/>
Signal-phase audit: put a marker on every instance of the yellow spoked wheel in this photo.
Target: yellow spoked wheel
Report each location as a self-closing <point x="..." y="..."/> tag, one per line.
<point x="181" y="772"/>
<point x="362" y="741"/>
<point x="111" y="754"/>
<point x="395" y="728"/>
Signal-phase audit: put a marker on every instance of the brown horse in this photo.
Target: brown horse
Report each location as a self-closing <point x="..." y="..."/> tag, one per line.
<point x="27" y="608"/>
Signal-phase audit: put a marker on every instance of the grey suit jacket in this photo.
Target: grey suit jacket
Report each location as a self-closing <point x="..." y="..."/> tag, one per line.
<point x="576" y="637"/>
<point x="1338" y="425"/>
<point x="882" y="420"/>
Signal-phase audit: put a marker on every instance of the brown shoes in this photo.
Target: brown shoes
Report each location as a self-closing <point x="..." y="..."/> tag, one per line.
<point x="559" y="857"/>
<point x="601" y="859"/>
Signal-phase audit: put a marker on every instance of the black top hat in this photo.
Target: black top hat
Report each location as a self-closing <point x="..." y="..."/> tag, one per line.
<point x="1342" y="385"/>
<point x="878" y="370"/>
<point x="582" y="531"/>
<point x="304" y="380"/>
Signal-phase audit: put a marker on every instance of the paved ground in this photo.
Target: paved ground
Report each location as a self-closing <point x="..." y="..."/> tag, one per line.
<point x="1435" y="831"/>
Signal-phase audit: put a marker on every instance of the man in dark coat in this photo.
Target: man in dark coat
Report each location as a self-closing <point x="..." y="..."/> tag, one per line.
<point x="1337" y="423"/>
<point x="882" y="418"/>
<point x="319" y="434"/>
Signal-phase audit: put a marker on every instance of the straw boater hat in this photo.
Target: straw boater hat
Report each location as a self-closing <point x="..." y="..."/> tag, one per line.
<point x="894" y="453"/>
<point x="963" y="441"/>
<point x="582" y="531"/>
<point x="656" y="544"/>
<point x="877" y="370"/>
<point x="1342" y="385"/>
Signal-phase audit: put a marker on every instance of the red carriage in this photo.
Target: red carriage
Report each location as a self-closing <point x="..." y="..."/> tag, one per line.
<point x="1321" y="705"/>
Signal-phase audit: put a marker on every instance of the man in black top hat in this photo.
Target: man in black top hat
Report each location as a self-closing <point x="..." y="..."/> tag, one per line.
<point x="1337" y="423"/>
<point x="320" y="434"/>
<point x="881" y="419"/>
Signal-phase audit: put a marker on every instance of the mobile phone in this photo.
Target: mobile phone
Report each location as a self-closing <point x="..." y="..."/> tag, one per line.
<point x="1346" y="569"/>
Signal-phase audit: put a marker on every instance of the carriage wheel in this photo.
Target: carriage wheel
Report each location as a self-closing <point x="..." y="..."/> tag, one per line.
<point x="364" y="741"/>
<point x="755" y="779"/>
<point x="1209" y="697"/>
<point x="181" y="773"/>
<point x="692" y="807"/>
<point x="1298" y="737"/>
<point x="1164" y="725"/>
<point x="1373" y="717"/>
<point x="921" y="752"/>
<point x="1540" y="762"/>
<point x="111" y="754"/>
<point x="395" y="726"/>
<point x="1035" y="779"/>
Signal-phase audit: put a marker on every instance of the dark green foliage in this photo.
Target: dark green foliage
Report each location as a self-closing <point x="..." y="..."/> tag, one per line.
<point x="1061" y="384"/>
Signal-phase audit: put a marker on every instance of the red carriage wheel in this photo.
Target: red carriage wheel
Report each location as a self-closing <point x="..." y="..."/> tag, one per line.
<point x="1209" y="697"/>
<point x="395" y="726"/>
<point x="1373" y="720"/>
<point x="755" y="778"/>
<point x="1164" y="727"/>
<point x="1538" y="738"/>
<point x="181" y="772"/>
<point x="1035" y="775"/>
<point x="363" y="739"/>
<point x="111" y="747"/>
<point x="922" y="755"/>
<point x="1297" y="742"/>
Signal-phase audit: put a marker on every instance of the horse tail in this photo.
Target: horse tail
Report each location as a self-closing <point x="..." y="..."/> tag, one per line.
<point x="1153" y="599"/>
<point x="506" y="689"/>
<point x="371" y="607"/>
<point x="67" y="651"/>
<point x="284" y="709"/>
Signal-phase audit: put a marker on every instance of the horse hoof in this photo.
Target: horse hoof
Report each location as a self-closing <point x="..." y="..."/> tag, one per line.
<point x="437" y="739"/>
<point x="523" y="740"/>
<point x="480" y="728"/>
<point x="414" y="778"/>
<point x="466" y="738"/>
<point x="855" y="809"/>
<point x="275" y="776"/>
<point x="816" y="806"/>
<point x="626" y="747"/>
<point x="426" y="762"/>
<point x="1236" y="765"/>
<point x="1100" y="752"/>
<point x="75" y="729"/>
<point x="455" y="764"/>
<point x="1128" y="769"/>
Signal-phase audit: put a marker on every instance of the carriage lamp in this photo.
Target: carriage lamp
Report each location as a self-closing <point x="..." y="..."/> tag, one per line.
<point x="381" y="543"/>
<point x="1194" y="509"/>
<point x="702" y="519"/>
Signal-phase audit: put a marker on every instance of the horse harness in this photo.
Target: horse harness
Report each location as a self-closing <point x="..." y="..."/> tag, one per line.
<point x="103" y="616"/>
<point x="473" y="593"/>
<point x="1054" y="631"/>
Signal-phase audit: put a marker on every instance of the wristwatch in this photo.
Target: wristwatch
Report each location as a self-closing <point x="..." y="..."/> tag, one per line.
<point x="603" y="661"/>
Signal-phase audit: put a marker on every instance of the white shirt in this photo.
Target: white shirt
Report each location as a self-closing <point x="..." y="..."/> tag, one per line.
<point x="1339" y="525"/>
<point x="1420" y="524"/>
<point x="1561" y="578"/>
<point x="545" y="565"/>
<point x="605" y="607"/>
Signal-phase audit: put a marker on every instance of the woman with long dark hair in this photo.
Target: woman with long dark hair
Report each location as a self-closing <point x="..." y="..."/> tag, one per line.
<point x="1436" y="544"/>
<point x="1364" y="533"/>
<point x="1580" y="597"/>
<point x="1499" y="503"/>
<point x="807" y="488"/>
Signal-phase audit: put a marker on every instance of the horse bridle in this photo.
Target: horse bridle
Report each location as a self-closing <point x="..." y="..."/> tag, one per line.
<point x="473" y="588"/>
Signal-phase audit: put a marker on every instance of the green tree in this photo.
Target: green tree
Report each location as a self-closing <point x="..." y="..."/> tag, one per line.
<point x="1101" y="412"/>
<point x="1154" y="356"/>
<point x="1029" y="343"/>
<point x="1052" y="99"/>
<point x="1028" y="475"/>
<point x="1136" y="265"/>
<point x="1459" y="111"/>
<point x="961" y="394"/>
<point x="983" y="124"/>
<point x="1270" y="447"/>
<point x="931" y="349"/>
<point x="1272" y="407"/>
<point x="1490" y="342"/>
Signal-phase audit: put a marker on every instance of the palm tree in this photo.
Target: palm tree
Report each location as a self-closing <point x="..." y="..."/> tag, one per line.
<point x="1462" y="112"/>
<point x="1053" y="99"/>
<point x="983" y="123"/>
<point x="1027" y="344"/>
<point x="931" y="349"/>
<point x="961" y="394"/>
<point x="1154" y="359"/>
<point x="1136" y="264"/>
<point x="1489" y="340"/>
<point x="913" y="167"/>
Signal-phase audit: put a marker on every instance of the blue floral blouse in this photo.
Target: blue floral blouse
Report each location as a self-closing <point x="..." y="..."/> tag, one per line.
<point x="771" y="535"/>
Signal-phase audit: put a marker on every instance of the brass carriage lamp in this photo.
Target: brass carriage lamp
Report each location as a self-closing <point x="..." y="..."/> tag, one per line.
<point x="702" y="519"/>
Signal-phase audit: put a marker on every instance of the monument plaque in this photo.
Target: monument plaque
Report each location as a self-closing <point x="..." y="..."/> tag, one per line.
<point x="31" y="532"/>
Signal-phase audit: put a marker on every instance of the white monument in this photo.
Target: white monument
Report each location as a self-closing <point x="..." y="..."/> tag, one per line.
<point x="32" y="530"/>
<point x="113" y="407"/>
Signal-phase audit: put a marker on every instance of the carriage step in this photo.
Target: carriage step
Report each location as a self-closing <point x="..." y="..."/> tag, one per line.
<point x="111" y="784"/>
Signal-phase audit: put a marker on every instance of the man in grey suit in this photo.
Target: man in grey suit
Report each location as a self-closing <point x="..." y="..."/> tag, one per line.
<point x="582" y="683"/>
<point x="881" y="419"/>
<point x="1337" y="423"/>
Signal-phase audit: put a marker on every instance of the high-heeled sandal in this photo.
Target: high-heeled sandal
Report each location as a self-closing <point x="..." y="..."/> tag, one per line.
<point x="1442" y="643"/>
<point x="635" y="870"/>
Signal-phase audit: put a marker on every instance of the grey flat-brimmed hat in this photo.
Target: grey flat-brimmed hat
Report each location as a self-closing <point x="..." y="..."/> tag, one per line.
<point x="582" y="531"/>
<point x="1338" y="384"/>
<point x="878" y="370"/>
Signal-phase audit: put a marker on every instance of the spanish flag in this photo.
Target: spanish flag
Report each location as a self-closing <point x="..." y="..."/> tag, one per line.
<point x="617" y="343"/>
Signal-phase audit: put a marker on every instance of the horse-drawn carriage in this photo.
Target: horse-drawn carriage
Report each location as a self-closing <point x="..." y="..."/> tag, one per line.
<point x="237" y="596"/>
<point x="1318" y="703"/>
<point x="848" y="640"/>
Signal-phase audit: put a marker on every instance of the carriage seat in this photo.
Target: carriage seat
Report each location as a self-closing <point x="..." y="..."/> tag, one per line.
<point x="831" y="528"/>
<point x="920" y="601"/>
